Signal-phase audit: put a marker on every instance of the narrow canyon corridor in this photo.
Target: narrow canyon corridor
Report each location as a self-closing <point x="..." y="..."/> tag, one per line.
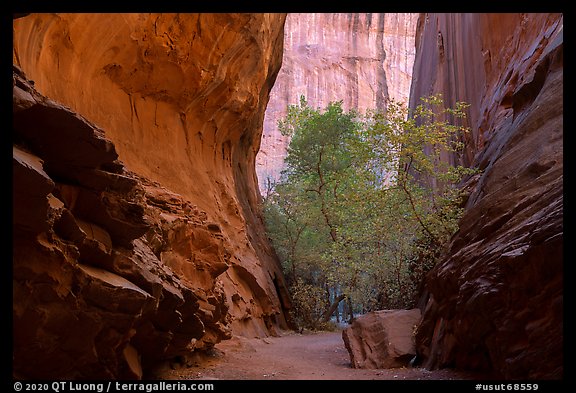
<point x="294" y="356"/>
<point x="142" y="143"/>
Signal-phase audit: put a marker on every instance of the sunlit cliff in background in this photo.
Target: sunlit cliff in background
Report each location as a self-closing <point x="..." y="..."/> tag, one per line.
<point x="361" y="59"/>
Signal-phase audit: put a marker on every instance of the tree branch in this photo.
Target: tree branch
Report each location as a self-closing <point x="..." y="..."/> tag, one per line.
<point x="413" y="206"/>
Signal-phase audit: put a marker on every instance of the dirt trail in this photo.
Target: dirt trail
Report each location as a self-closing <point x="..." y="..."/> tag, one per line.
<point x="293" y="356"/>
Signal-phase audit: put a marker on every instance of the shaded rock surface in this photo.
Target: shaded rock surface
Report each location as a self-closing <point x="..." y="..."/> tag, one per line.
<point x="92" y="296"/>
<point x="137" y="232"/>
<point x="382" y="339"/>
<point x="496" y="299"/>
<point x="361" y="59"/>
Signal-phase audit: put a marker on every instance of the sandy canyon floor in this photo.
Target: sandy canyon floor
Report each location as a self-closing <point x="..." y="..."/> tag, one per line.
<point x="293" y="356"/>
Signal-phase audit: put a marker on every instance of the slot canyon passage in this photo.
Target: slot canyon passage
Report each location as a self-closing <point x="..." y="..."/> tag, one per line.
<point x="139" y="245"/>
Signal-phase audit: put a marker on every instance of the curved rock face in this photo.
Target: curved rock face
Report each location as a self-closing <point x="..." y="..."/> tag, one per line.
<point x="496" y="299"/>
<point x="138" y="235"/>
<point x="361" y="59"/>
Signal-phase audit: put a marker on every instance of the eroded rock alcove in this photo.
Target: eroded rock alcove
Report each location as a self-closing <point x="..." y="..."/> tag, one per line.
<point x="137" y="235"/>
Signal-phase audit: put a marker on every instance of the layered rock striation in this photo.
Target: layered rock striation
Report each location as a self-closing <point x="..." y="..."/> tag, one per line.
<point x="361" y="59"/>
<point x="137" y="232"/>
<point x="496" y="299"/>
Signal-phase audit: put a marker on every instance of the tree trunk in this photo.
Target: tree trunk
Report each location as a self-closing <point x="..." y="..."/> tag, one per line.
<point x="332" y="308"/>
<point x="349" y="301"/>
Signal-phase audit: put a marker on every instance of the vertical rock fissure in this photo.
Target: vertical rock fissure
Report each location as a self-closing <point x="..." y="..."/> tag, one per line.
<point x="382" y="88"/>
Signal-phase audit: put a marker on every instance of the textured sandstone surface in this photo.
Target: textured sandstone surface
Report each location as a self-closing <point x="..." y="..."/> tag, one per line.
<point x="137" y="230"/>
<point x="94" y="296"/>
<point x="362" y="59"/>
<point x="382" y="339"/>
<point x="496" y="300"/>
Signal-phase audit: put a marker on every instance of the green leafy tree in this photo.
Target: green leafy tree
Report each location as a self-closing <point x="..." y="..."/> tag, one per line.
<point x="365" y="204"/>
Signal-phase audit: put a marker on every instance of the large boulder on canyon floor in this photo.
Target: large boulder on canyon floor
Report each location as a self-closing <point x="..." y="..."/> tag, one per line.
<point x="382" y="339"/>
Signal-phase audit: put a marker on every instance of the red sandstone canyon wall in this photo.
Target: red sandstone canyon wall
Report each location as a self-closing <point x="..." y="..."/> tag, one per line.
<point x="361" y="59"/>
<point x="137" y="232"/>
<point x="496" y="299"/>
